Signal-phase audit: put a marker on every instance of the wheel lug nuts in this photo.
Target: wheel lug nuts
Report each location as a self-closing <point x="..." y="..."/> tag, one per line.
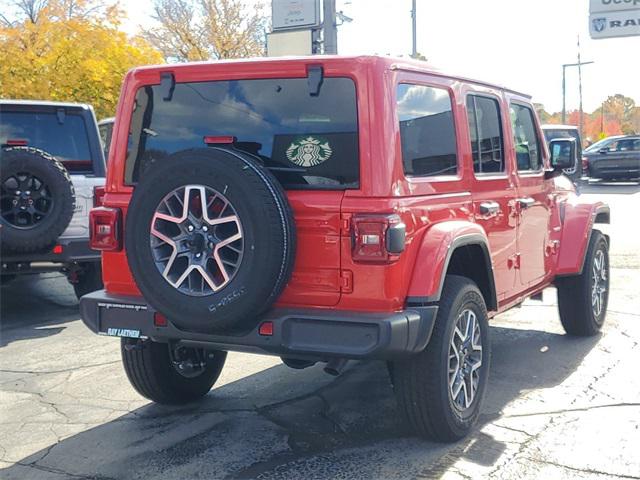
<point x="190" y="228"/>
<point x="204" y="228"/>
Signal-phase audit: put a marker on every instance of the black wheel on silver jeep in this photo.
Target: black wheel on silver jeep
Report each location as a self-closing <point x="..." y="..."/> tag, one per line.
<point x="583" y="299"/>
<point x="36" y="199"/>
<point x="440" y="389"/>
<point x="210" y="239"/>
<point x="168" y="373"/>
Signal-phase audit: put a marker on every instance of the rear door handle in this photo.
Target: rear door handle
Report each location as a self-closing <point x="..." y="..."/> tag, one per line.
<point x="489" y="209"/>
<point x="525" y="203"/>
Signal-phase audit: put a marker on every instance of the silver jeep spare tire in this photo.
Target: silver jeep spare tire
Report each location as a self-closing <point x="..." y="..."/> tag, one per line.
<point x="210" y="239"/>
<point x="37" y="199"/>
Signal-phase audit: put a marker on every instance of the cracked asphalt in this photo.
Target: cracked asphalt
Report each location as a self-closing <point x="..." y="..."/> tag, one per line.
<point x="556" y="407"/>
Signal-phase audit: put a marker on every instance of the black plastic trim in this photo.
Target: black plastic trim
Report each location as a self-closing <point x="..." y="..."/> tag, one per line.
<point x="299" y="333"/>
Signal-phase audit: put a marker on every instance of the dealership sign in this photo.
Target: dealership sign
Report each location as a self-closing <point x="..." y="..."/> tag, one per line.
<point x="614" y="24"/>
<point x="290" y="14"/>
<point x="613" y="5"/>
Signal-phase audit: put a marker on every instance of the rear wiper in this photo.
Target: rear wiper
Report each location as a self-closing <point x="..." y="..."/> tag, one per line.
<point x="315" y="76"/>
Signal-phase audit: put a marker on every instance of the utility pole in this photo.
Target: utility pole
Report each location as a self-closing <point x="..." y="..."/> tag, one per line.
<point x="581" y="121"/>
<point x="564" y="86"/>
<point x="414" y="50"/>
<point x="329" y="27"/>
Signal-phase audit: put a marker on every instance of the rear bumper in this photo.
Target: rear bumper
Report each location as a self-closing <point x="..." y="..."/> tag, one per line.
<point x="297" y="333"/>
<point x="70" y="250"/>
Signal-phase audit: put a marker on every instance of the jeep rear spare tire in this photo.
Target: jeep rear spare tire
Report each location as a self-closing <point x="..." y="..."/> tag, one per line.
<point x="210" y="239"/>
<point x="37" y="199"/>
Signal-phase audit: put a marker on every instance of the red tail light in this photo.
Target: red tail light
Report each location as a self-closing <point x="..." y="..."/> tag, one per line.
<point x="585" y="164"/>
<point x="98" y="195"/>
<point x="377" y="238"/>
<point x="16" y="142"/>
<point x="104" y="229"/>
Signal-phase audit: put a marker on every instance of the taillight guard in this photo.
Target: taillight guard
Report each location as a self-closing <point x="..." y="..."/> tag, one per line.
<point x="105" y="229"/>
<point x="377" y="238"/>
<point x="98" y="195"/>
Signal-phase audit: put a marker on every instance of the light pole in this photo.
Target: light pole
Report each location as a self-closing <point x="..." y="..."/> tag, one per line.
<point x="564" y="86"/>
<point x="414" y="49"/>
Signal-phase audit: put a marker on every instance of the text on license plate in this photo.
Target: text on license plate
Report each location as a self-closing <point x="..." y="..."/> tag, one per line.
<point x="123" y="332"/>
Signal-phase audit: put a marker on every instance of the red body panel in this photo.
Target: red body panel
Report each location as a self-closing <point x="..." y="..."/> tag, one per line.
<point x="527" y="247"/>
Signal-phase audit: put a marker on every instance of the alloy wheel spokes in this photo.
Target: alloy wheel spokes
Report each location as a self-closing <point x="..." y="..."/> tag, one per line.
<point x="598" y="283"/>
<point x="465" y="359"/>
<point x="25" y="200"/>
<point x="196" y="240"/>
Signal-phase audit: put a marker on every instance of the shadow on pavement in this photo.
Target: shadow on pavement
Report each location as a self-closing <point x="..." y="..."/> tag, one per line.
<point x="33" y="300"/>
<point x="282" y="423"/>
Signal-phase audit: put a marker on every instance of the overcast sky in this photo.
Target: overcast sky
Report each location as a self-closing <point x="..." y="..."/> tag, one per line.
<point x="521" y="44"/>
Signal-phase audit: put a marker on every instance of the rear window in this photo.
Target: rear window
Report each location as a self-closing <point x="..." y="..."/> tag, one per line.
<point x="307" y="141"/>
<point x="63" y="136"/>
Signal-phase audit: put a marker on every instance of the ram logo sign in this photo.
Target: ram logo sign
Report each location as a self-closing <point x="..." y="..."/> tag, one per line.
<point x="616" y="24"/>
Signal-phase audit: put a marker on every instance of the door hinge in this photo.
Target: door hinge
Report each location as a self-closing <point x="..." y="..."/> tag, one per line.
<point x="346" y="281"/>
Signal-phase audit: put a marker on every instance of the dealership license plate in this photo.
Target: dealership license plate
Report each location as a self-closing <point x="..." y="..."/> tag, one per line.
<point x="122" y="332"/>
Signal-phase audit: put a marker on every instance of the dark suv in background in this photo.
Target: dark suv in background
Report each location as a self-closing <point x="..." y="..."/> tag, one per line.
<point x="614" y="158"/>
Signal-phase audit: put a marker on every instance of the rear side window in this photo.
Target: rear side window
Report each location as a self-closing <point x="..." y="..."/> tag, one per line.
<point x="485" y="130"/>
<point x="63" y="136"/>
<point x="527" y="146"/>
<point x="427" y="131"/>
<point x="306" y="141"/>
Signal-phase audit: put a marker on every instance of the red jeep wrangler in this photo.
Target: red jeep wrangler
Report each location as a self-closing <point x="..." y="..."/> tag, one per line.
<point x="328" y="208"/>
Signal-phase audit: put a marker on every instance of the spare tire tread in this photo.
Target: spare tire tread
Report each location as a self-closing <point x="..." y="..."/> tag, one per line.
<point x="47" y="232"/>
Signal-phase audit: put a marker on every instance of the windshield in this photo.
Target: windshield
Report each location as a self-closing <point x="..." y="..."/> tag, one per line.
<point x="63" y="136"/>
<point x="307" y="141"/>
<point x="600" y="144"/>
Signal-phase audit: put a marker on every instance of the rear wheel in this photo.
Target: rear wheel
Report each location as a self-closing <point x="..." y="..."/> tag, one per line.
<point x="583" y="299"/>
<point x="440" y="389"/>
<point x="170" y="374"/>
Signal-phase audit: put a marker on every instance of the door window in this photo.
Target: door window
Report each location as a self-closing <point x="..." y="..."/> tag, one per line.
<point x="527" y="145"/>
<point x="485" y="131"/>
<point x="427" y="131"/>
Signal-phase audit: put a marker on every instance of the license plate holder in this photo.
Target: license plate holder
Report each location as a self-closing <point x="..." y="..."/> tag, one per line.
<point x="123" y="320"/>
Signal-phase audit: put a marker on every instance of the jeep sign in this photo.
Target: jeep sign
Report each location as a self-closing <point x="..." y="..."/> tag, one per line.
<point x="614" y="24"/>
<point x="613" y="5"/>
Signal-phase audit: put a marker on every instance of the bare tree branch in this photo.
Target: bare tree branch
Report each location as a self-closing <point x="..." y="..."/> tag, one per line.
<point x="191" y="30"/>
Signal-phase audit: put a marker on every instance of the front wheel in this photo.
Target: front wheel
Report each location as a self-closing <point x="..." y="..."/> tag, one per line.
<point x="583" y="299"/>
<point x="170" y="374"/>
<point x="440" y="389"/>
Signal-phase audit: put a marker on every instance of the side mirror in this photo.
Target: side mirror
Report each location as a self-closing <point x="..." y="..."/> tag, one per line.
<point x="563" y="153"/>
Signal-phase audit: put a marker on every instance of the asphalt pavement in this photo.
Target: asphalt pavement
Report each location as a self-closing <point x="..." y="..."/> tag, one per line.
<point x="556" y="407"/>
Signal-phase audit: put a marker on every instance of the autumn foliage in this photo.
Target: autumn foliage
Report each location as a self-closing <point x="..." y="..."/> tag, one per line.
<point x="69" y="50"/>
<point x="618" y="115"/>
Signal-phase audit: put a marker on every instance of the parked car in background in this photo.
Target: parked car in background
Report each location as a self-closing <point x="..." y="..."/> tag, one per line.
<point x="552" y="132"/>
<point x="614" y="158"/>
<point x="105" y="126"/>
<point x="52" y="173"/>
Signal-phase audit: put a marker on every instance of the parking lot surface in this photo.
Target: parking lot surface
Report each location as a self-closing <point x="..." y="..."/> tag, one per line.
<point x="556" y="407"/>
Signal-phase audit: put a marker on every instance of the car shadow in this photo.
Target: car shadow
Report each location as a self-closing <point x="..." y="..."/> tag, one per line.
<point x="609" y="187"/>
<point x="283" y="423"/>
<point x="30" y="302"/>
